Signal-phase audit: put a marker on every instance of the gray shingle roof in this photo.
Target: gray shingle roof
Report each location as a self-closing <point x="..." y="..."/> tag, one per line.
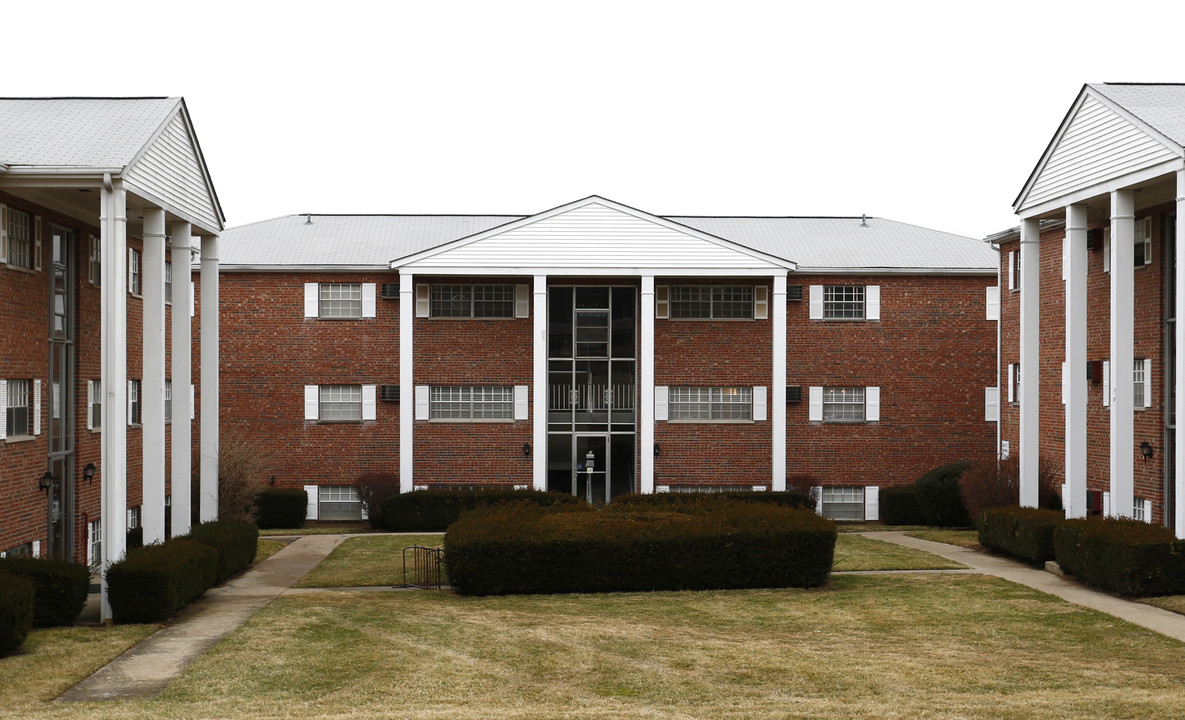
<point x="813" y="243"/>
<point x="78" y="132"/>
<point x="1161" y="106"/>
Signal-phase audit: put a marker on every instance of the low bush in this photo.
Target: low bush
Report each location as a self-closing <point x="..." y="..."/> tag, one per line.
<point x="59" y="587"/>
<point x="899" y="506"/>
<point x="280" y="508"/>
<point x="374" y="489"/>
<point x="1122" y="556"/>
<point x="16" y="612"/>
<point x="940" y="498"/>
<point x="435" y="510"/>
<point x="155" y="581"/>
<point x="135" y="538"/>
<point x="784" y="499"/>
<point x="235" y="540"/>
<point x="989" y="484"/>
<point x="1023" y="533"/>
<point x="684" y="546"/>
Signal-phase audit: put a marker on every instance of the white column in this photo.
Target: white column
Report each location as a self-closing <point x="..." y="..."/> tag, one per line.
<point x="1123" y="315"/>
<point x="1179" y="362"/>
<point x="1075" y="272"/>
<point x="181" y="432"/>
<point x="777" y="406"/>
<point x="407" y="391"/>
<point x="539" y="379"/>
<point x="208" y="478"/>
<point x="152" y="384"/>
<point x="1030" y="358"/>
<point x="646" y="378"/>
<point x="113" y="461"/>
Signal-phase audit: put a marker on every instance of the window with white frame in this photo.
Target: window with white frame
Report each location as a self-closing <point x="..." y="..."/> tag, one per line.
<point x="135" y="277"/>
<point x="1014" y="383"/>
<point x="20" y="246"/>
<point x="843" y="503"/>
<point x="843" y="404"/>
<point x="95" y="263"/>
<point x="474" y="301"/>
<point x="1014" y="270"/>
<point x="133" y="517"/>
<point x="1139" y="391"/>
<point x="1142" y="510"/>
<point x="710" y="403"/>
<point x="134" y="404"/>
<point x="843" y="302"/>
<point x="718" y="302"/>
<point x="341" y="403"/>
<point x="340" y="300"/>
<point x="338" y="502"/>
<point x="168" y="400"/>
<point x="94" y="532"/>
<point x="95" y="404"/>
<point x="168" y="282"/>
<point x="19" y="409"/>
<point x="478" y="402"/>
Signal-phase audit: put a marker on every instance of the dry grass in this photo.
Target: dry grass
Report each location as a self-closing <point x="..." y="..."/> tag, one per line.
<point x="265" y="549"/>
<point x="853" y="552"/>
<point x="1175" y="603"/>
<point x="316" y="530"/>
<point x="962" y="538"/>
<point x="370" y="561"/>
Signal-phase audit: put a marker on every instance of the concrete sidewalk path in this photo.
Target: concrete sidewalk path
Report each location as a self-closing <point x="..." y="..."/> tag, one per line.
<point x="1146" y="616"/>
<point x="145" y="670"/>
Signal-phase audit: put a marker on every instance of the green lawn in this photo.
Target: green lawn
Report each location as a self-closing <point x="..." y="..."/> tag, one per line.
<point x="853" y="552"/>
<point x="317" y="530"/>
<point x="962" y="538"/>
<point x="373" y="560"/>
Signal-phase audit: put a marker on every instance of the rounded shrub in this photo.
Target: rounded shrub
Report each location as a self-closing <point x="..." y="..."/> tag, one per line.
<point x="1122" y="556"/>
<point x="16" y="612"/>
<point x="899" y="506"/>
<point x="940" y="498"/>
<point x="280" y="508"/>
<point x="59" y="587"/>
<point x="235" y="540"/>
<point x="1023" y="533"/>
<point x="155" y="581"/>
<point x="784" y="499"/>
<point x="435" y="510"/>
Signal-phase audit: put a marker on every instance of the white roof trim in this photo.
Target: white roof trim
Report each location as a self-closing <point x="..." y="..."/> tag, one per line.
<point x="892" y="271"/>
<point x="1116" y="183"/>
<point x="592" y="271"/>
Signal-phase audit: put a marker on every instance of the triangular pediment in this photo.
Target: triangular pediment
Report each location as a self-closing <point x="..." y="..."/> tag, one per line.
<point x="594" y="236"/>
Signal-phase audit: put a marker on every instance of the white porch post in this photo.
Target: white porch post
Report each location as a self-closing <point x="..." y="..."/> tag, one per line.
<point x="1030" y="357"/>
<point x="1123" y="231"/>
<point x="114" y="374"/>
<point x="1179" y="362"/>
<point x="181" y="432"/>
<point x="407" y="308"/>
<point x="1075" y="272"/>
<point x="777" y="407"/>
<point x="646" y="377"/>
<point x="208" y="482"/>
<point x="152" y="385"/>
<point x="539" y="380"/>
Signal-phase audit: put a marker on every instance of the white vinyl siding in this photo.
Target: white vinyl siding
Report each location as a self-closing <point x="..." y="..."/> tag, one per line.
<point x="170" y="168"/>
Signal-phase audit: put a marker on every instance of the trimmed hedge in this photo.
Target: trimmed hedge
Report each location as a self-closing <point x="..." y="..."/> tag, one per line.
<point x="235" y="541"/>
<point x="435" y="510"/>
<point x="59" y="587"/>
<point x="940" y="498"/>
<point x="899" y="506"/>
<point x="784" y="499"/>
<point x="1122" y="556"/>
<point x="623" y="548"/>
<point x="16" y="612"/>
<point x="155" y="581"/>
<point x="281" y="508"/>
<point x="1024" y="533"/>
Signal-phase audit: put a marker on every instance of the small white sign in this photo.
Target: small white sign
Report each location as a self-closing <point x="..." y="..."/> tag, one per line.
<point x="1005" y="449"/>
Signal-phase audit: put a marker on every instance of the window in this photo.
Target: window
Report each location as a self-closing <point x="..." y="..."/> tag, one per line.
<point x="168" y="282"/>
<point x="94" y="393"/>
<point x="481" y="402"/>
<point x="1014" y="383"/>
<point x="724" y="302"/>
<point x="710" y="403"/>
<point x="134" y="275"/>
<point x="134" y="402"/>
<point x="133" y="517"/>
<point x="478" y="301"/>
<point x="168" y="400"/>
<point x="95" y="265"/>
<point x="340" y="300"/>
<point x="94" y="532"/>
<point x="1014" y="270"/>
<point x="19" y="246"/>
<point x="338" y="502"/>
<point x="1139" y="393"/>
<point x="1142" y="510"/>
<point x="19" y="411"/>
<point x="843" y="404"/>
<point x="843" y="503"/>
<point x="341" y="403"/>
<point x="843" y="302"/>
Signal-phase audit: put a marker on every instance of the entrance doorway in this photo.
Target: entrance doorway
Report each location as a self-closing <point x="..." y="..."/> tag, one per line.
<point x="60" y="494"/>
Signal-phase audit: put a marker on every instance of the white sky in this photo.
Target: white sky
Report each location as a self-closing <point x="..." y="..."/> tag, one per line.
<point x="932" y="113"/>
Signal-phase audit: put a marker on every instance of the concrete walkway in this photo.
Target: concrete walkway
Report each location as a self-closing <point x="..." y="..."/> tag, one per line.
<point x="1146" y="616"/>
<point x="145" y="670"/>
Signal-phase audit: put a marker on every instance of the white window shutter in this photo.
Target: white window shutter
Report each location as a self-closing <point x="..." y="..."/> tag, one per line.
<point x="129" y="402"/>
<point x="90" y="405"/>
<point x="1065" y="383"/>
<point x="872" y="502"/>
<point x="872" y="404"/>
<point x="522" y="301"/>
<point x="818" y="493"/>
<point x="369" y="402"/>
<point x="991" y="404"/>
<point x="37" y="242"/>
<point x="192" y="303"/>
<point x="365" y="514"/>
<point x="131" y="264"/>
<point x="90" y="544"/>
<point x="3" y="406"/>
<point x="1106" y="503"/>
<point x="36" y="407"/>
<point x="661" y="394"/>
<point x="36" y="548"/>
<point x="422" y="405"/>
<point x="192" y="401"/>
<point x="872" y="302"/>
<point x="760" y="302"/>
<point x="760" y="403"/>
<point x="1011" y="269"/>
<point x="1011" y="382"/>
<point x="311" y="508"/>
<point x="368" y="299"/>
<point x="423" y="300"/>
<point x="312" y="298"/>
<point x="4" y="237"/>
<point x="1106" y="249"/>
<point x="816" y="302"/>
<point x="662" y="302"/>
<point x="312" y="402"/>
<point x="520" y="402"/>
<point x="993" y="302"/>
<point x="1147" y="382"/>
<point x="1065" y="255"/>
<point x="1148" y="511"/>
<point x="1106" y="383"/>
<point x="815" y="403"/>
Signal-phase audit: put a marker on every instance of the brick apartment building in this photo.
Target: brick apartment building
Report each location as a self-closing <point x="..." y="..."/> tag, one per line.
<point x="1089" y="299"/>
<point x="99" y="198"/>
<point x="598" y="349"/>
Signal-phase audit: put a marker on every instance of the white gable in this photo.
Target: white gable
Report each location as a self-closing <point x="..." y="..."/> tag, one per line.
<point x="594" y="236"/>
<point x="1094" y="145"/>
<point x="169" y="170"/>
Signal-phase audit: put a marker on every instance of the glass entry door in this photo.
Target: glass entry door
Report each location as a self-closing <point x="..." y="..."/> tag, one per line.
<point x="590" y="468"/>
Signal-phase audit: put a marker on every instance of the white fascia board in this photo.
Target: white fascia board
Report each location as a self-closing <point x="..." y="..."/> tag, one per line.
<point x="52" y="176"/>
<point x="199" y="225"/>
<point x="1121" y="182"/>
<point x="302" y="268"/>
<point x="591" y="271"/>
<point x="802" y="270"/>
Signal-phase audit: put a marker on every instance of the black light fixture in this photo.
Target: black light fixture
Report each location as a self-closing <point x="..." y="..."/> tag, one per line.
<point x="657" y="449"/>
<point x="1146" y="450"/>
<point x="46" y="481"/>
<point x="526" y="449"/>
<point x="88" y="473"/>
